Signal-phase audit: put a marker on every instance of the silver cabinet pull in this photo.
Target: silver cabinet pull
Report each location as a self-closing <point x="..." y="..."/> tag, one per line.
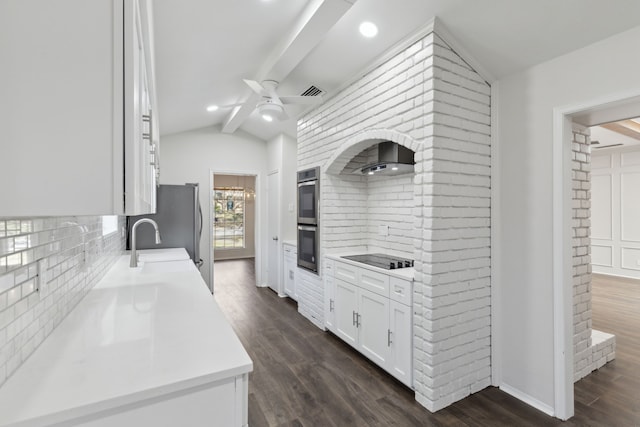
<point x="358" y="318"/>
<point x="275" y="238"/>
<point x="146" y="118"/>
<point x="389" y="338"/>
<point x="353" y="319"/>
<point x="331" y="305"/>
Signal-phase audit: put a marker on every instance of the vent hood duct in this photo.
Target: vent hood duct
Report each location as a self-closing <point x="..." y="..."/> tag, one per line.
<point x="393" y="159"/>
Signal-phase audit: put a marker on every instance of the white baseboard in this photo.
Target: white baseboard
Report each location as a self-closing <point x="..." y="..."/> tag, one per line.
<point x="531" y="401"/>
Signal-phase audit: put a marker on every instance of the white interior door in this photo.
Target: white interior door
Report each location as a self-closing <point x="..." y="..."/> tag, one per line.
<point x="273" y="215"/>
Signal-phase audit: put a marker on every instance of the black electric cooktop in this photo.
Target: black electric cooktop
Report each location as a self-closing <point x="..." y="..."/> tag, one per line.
<point x="381" y="260"/>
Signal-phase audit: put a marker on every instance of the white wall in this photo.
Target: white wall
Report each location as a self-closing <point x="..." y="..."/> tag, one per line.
<point x="281" y="157"/>
<point x="247" y="182"/>
<point x="615" y="218"/>
<point x="191" y="156"/>
<point x="525" y="134"/>
<point x="282" y="154"/>
<point x="288" y="194"/>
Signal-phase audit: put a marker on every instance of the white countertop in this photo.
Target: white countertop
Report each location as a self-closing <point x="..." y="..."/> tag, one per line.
<point x="407" y="273"/>
<point x="160" y="255"/>
<point x="135" y="335"/>
<point x="290" y="243"/>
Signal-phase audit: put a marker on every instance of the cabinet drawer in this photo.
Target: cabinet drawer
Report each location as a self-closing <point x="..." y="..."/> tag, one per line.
<point x="374" y="282"/>
<point x="401" y="291"/>
<point x="346" y="272"/>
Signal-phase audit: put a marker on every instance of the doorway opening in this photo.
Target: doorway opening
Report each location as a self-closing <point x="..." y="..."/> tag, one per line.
<point x="615" y="256"/>
<point x="580" y="348"/>
<point x="233" y="208"/>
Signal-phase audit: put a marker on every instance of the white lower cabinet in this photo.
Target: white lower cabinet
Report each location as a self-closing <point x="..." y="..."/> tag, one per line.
<point x="372" y="312"/>
<point x="346" y="310"/>
<point x="223" y="402"/>
<point x="401" y="342"/>
<point x="362" y="320"/>
<point x="373" y="327"/>
<point x="329" y="298"/>
<point x="290" y="266"/>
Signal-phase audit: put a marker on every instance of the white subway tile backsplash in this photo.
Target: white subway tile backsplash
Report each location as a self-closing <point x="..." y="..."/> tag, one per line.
<point x="42" y="277"/>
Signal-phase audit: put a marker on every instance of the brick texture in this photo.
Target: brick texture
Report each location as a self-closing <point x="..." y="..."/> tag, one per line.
<point x="587" y="355"/>
<point x="429" y="100"/>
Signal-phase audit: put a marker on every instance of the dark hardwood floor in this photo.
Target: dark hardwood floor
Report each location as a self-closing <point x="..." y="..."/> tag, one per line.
<point x="306" y="377"/>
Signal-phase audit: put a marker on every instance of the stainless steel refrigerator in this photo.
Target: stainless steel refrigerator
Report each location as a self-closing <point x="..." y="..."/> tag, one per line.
<point x="179" y="218"/>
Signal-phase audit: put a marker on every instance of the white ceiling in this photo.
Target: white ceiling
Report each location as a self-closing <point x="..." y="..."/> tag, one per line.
<point x="606" y="138"/>
<point x="204" y="48"/>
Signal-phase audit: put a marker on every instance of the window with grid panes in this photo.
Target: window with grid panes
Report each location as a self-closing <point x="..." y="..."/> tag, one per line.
<point x="228" y="224"/>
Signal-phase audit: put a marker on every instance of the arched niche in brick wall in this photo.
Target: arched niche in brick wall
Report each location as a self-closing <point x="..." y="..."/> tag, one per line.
<point x="361" y="141"/>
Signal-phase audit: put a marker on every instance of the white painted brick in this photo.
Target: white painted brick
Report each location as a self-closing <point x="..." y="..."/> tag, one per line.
<point x="440" y="217"/>
<point x="587" y="356"/>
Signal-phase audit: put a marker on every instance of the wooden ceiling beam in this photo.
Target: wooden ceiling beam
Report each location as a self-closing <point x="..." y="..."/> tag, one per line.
<point x="314" y="23"/>
<point x="625" y="127"/>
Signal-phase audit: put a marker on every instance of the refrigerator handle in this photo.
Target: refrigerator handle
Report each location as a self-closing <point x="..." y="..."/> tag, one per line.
<point x="201" y="218"/>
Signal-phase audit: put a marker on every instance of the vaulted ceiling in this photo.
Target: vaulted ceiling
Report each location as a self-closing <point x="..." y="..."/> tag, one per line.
<point x="204" y="48"/>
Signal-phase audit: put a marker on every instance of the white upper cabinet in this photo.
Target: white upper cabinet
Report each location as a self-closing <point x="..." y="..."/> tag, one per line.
<point x="78" y="123"/>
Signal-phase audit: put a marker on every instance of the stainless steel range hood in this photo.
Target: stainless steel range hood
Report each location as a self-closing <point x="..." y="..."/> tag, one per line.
<point x="393" y="159"/>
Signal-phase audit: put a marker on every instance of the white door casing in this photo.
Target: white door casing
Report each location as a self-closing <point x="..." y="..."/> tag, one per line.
<point x="208" y="239"/>
<point x="273" y="232"/>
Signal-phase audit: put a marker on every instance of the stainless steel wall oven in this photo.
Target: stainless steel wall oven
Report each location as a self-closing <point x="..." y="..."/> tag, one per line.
<point x="308" y="247"/>
<point x="308" y="218"/>
<point x="308" y="196"/>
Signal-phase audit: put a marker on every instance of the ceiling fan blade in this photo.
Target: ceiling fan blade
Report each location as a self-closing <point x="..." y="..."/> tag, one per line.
<point x="303" y="100"/>
<point x="230" y="105"/>
<point x="256" y="87"/>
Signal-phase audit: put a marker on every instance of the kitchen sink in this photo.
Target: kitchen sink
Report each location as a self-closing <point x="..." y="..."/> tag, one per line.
<point x="167" y="266"/>
<point x="162" y="255"/>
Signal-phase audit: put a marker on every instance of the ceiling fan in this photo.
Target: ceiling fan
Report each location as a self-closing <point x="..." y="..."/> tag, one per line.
<point x="271" y="106"/>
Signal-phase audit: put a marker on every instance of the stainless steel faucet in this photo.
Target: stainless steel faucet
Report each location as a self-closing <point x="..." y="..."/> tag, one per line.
<point x="134" y="253"/>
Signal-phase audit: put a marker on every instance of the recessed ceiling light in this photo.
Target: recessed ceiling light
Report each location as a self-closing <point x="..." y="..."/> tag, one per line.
<point x="370" y="172"/>
<point x="267" y="117"/>
<point x="212" y="108"/>
<point x="395" y="168"/>
<point x="368" y="29"/>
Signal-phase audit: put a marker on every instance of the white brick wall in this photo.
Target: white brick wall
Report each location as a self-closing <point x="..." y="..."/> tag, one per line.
<point x="453" y="327"/>
<point x="390" y="202"/>
<point x="47" y="265"/>
<point x="429" y="100"/>
<point x="587" y="355"/>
